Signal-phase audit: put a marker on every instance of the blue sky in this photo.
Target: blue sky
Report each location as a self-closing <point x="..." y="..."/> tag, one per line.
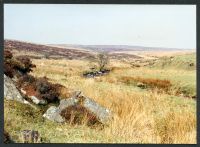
<point x="144" y="25"/>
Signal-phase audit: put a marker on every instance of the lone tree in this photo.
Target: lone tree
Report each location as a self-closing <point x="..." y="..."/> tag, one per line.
<point x="99" y="62"/>
<point x="102" y="61"/>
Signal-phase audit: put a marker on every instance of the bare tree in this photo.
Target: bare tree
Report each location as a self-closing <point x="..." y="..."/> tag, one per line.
<point x="99" y="62"/>
<point x="102" y="61"/>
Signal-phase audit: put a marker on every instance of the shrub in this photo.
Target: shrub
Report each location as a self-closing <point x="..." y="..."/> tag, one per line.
<point x="47" y="90"/>
<point x="28" y="79"/>
<point x="43" y="85"/>
<point x="8" y="70"/>
<point x="39" y="87"/>
<point x="16" y="66"/>
<point x="79" y="115"/>
<point x="27" y="64"/>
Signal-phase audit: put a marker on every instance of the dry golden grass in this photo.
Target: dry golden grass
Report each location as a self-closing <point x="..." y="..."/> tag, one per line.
<point x="139" y="116"/>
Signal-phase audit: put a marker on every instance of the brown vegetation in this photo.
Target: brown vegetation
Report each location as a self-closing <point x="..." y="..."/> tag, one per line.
<point x="149" y="82"/>
<point x="20" y="67"/>
<point x="79" y="115"/>
<point x="16" y="66"/>
<point x="40" y="87"/>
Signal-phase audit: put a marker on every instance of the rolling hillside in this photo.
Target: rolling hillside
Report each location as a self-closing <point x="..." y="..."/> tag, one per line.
<point x="43" y="50"/>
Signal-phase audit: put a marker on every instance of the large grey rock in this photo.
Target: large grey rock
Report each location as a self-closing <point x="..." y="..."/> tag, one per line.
<point x="103" y="114"/>
<point x="10" y="90"/>
<point x="53" y="114"/>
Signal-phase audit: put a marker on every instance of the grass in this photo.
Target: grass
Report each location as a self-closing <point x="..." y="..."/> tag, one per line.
<point x="140" y="116"/>
<point x="186" y="62"/>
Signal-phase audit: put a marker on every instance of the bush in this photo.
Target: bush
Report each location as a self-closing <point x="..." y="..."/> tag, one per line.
<point x="43" y="85"/>
<point x="79" y="115"/>
<point x="8" y="69"/>
<point x="16" y="66"/>
<point x="40" y="87"/>
<point x="27" y="64"/>
<point x="47" y="90"/>
<point x="28" y="79"/>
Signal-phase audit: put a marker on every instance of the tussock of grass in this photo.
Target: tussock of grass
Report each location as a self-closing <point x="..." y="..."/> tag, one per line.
<point x="175" y="126"/>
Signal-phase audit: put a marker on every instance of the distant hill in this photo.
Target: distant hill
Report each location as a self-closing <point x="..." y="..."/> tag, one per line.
<point x="111" y="48"/>
<point x="70" y="51"/>
<point x="43" y="50"/>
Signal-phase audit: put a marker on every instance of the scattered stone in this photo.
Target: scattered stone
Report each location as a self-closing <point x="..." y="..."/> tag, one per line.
<point x="141" y="85"/>
<point x="53" y="114"/>
<point x="30" y="136"/>
<point x="93" y="74"/>
<point x="38" y="101"/>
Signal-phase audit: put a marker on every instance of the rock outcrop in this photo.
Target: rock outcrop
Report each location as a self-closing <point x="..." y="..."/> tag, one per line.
<point x="10" y="90"/>
<point x="78" y="107"/>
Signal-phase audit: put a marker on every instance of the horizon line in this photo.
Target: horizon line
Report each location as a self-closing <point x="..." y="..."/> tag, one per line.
<point x="47" y="44"/>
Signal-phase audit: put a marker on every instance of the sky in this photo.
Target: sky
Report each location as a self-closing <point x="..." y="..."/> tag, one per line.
<point x="172" y="26"/>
